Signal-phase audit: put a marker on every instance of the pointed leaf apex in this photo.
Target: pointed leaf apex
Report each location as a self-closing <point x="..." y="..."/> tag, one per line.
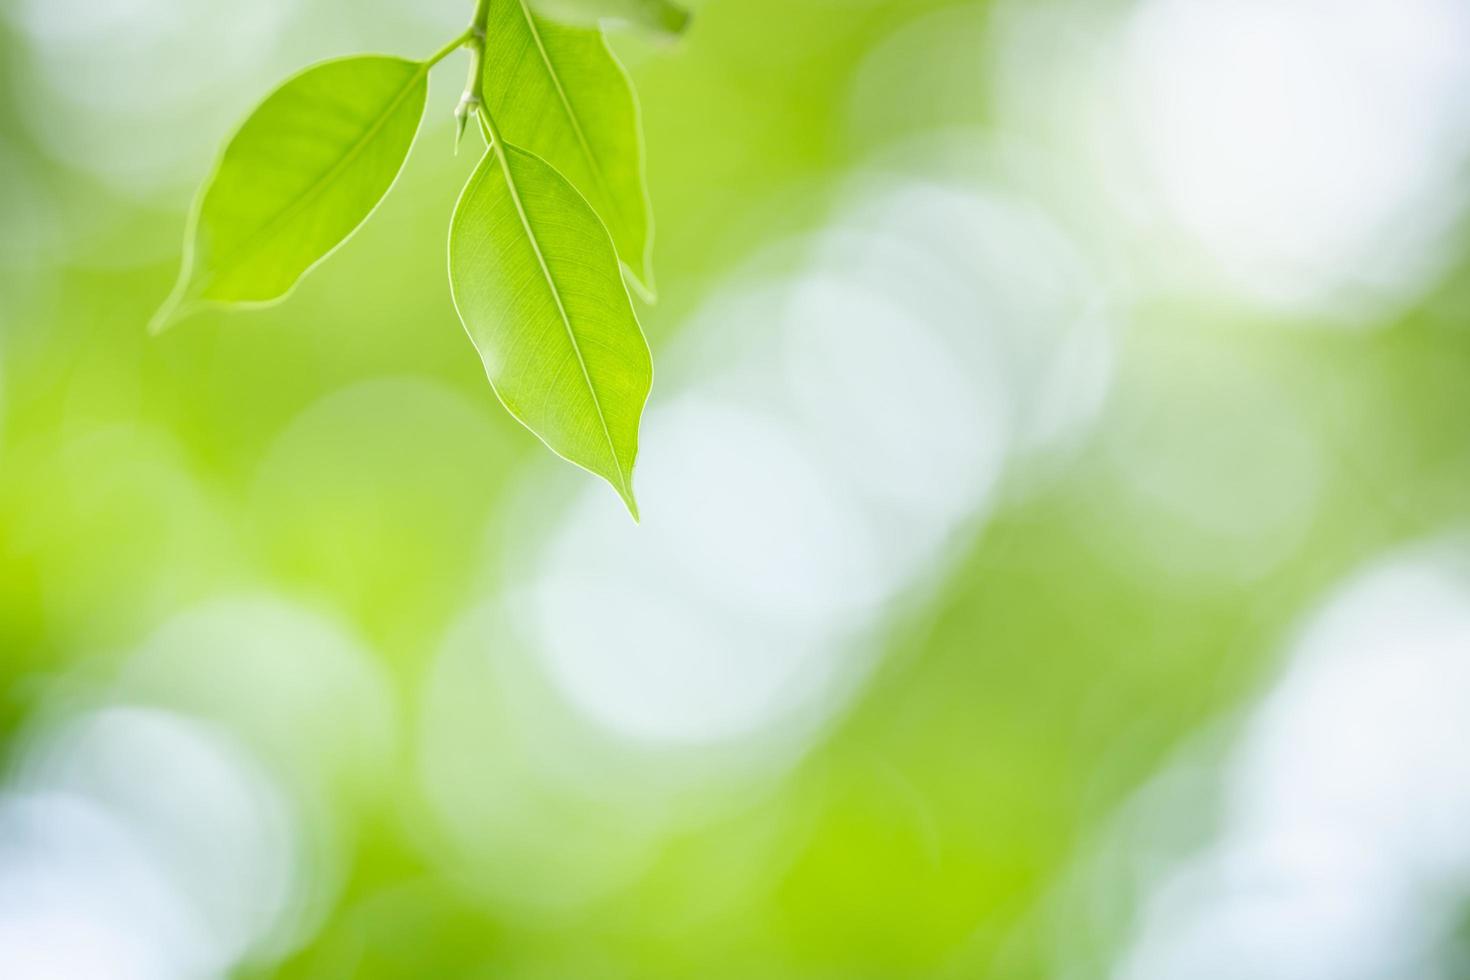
<point x="625" y="491"/>
<point x="166" y="315"/>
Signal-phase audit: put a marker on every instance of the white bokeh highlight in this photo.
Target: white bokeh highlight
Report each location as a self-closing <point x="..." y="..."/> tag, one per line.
<point x="1312" y="147"/>
<point x="1299" y="159"/>
<point x="1343" y="848"/>
<point x="80" y="898"/>
<point x="1212" y="470"/>
<point x="841" y="421"/>
<point x="147" y="840"/>
<point x="294" y="682"/>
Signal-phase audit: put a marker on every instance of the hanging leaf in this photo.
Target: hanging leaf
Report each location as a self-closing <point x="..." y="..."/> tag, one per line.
<point x="559" y="92"/>
<point x="535" y="278"/>
<point x="303" y="172"/>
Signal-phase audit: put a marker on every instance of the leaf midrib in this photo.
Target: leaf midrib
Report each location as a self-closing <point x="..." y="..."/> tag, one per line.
<point x="253" y="244"/>
<point x="571" y="113"/>
<point x="498" y="148"/>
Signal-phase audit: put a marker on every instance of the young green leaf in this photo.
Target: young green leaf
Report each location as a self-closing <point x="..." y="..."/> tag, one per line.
<point x="303" y="172"/>
<point x="535" y="279"/>
<point x="559" y="92"/>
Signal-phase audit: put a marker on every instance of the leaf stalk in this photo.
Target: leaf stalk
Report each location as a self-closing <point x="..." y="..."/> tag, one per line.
<point x="470" y="102"/>
<point x="448" y="49"/>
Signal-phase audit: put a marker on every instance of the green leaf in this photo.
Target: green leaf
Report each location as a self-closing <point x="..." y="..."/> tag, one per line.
<point x="659" y="16"/>
<point x="302" y="173"/>
<point x="559" y="92"/>
<point x="535" y="278"/>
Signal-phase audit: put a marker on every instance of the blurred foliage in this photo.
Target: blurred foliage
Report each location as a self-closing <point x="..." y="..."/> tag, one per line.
<point x="344" y="451"/>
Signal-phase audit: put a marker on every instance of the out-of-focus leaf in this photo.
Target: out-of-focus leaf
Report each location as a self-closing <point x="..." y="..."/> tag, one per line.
<point x="303" y="172"/>
<point x="659" y="16"/>
<point x="559" y="92"/>
<point x="536" y="281"/>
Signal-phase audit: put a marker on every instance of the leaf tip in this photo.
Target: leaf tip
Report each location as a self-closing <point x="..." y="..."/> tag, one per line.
<point x="625" y="491"/>
<point x="165" y="316"/>
<point x="642" y="283"/>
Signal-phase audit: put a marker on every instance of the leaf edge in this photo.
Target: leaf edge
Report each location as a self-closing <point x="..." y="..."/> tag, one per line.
<point x="177" y="307"/>
<point x="625" y="491"/>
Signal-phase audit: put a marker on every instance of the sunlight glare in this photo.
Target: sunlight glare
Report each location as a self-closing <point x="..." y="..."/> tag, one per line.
<point x="1311" y="147"/>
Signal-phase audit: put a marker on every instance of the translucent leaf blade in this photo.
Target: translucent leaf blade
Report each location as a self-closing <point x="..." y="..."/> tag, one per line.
<point x="559" y="92"/>
<point x="535" y="279"/>
<point x="302" y="173"/>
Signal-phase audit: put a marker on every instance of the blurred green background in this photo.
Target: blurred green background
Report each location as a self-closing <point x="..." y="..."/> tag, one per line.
<point x="1057" y="402"/>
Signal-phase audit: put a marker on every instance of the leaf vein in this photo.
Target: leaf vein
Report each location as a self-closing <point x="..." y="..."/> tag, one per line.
<point x="515" y="196"/>
<point x="256" y="241"/>
<point x="571" y="113"/>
